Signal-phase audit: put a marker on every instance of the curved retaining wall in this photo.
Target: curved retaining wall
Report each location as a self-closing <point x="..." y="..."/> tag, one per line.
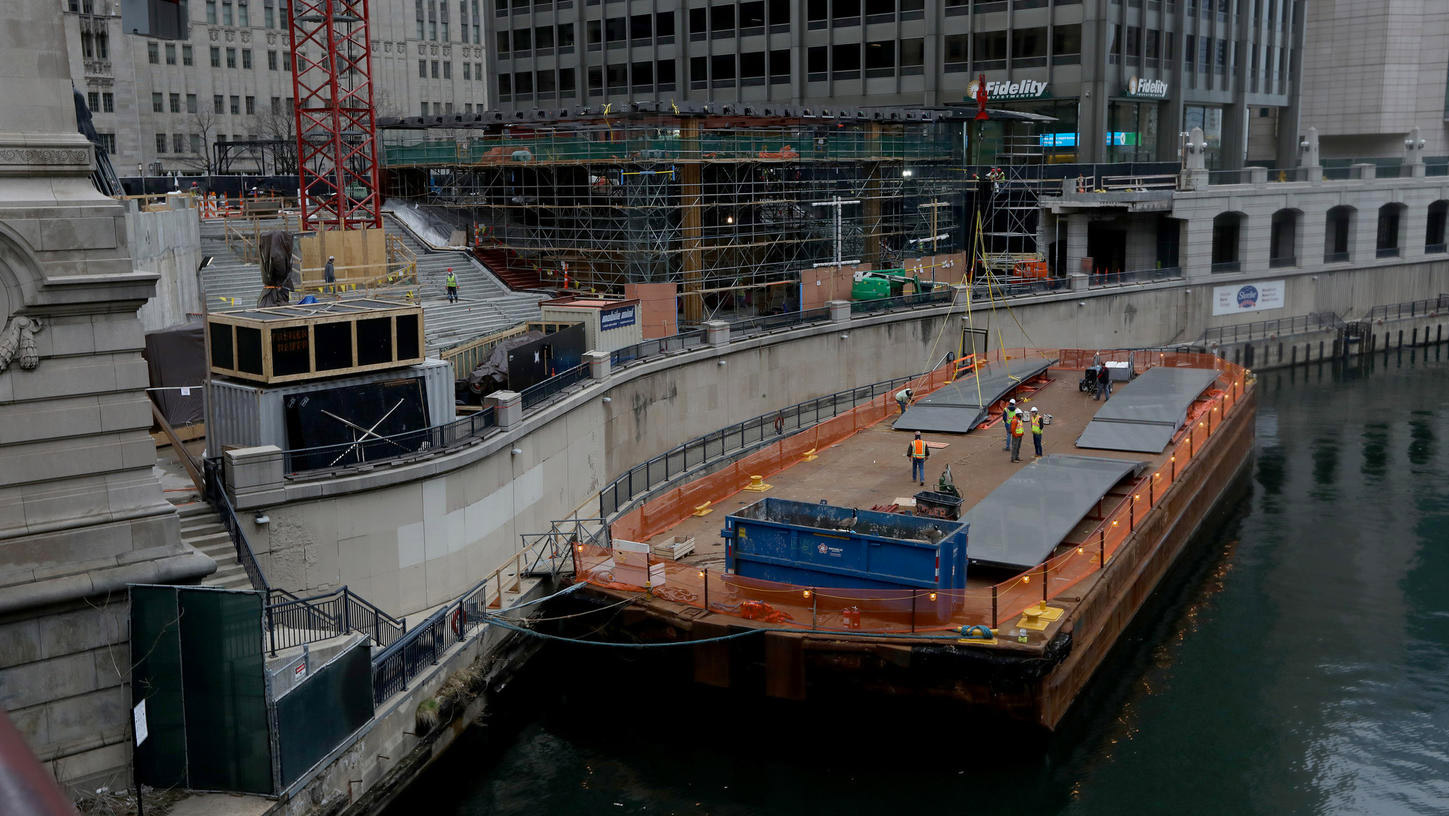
<point x="410" y="536"/>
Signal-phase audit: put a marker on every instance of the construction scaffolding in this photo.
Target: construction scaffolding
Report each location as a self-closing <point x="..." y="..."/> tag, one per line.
<point x="729" y="207"/>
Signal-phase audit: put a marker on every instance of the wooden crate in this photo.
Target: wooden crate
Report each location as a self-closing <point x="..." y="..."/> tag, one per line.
<point x="293" y="343"/>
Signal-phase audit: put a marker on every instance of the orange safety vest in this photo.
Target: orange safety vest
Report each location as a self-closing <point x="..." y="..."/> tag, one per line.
<point x="1019" y="429"/>
<point x="918" y="448"/>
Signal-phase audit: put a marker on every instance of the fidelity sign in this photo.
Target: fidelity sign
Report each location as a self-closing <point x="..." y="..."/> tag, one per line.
<point x="998" y="91"/>
<point x="1147" y="88"/>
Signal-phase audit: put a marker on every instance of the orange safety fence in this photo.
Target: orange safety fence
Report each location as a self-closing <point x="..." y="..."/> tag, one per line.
<point x="904" y="610"/>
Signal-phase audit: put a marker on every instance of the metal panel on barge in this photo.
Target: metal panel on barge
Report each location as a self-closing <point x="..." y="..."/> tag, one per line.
<point x="823" y="546"/>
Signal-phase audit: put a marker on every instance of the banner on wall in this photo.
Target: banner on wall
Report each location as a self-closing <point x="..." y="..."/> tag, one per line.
<point x="1259" y="296"/>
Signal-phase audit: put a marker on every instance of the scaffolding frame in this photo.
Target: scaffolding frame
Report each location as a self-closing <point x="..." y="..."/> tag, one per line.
<point x="721" y="206"/>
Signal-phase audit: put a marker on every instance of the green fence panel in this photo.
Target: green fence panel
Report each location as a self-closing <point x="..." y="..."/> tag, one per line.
<point x="315" y="716"/>
<point x="156" y="679"/>
<point x="227" y="745"/>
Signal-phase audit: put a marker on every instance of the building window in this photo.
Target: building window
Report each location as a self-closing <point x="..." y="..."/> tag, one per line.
<point x="231" y="57"/>
<point x="218" y="103"/>
<point x="1066" y="44"/>
<point x="191" y="103"/>
<point x="443" y="19"/>
<point x="242" y="17"/>
<point x="1227" y="228"/>
<point x="448" y="70"/>
<point x="913" y="56"/>
<point x="108" y="141"/>
<point x="421" y="29"/>
<point x="108" y="102"/>
<point x="215" y="57"/>
<point x="157" y="103"/>
<point x="1434" y="227"/>
<point x="247" y="58"/>
<point x="226" y="17"/>
<point x="286" y="60"/>
<point x="505" y="86"/>
<point x="153" y="53"/>
<point x="251" y="106"/>
<point x="93" y="100"/>
<point x="566" y="80"/>
<point x="235" y="105"/>
<point x="780" y="66"/>
<point x="505" y="42"/>
<point x="845" y="61"/>
<point x="269" y="14"/>
<point x="196" y="143"/>
<point x="271" y="60"/>
<point x="1338" y="234"/>
<point x="467" y="70"/>
<point x="160" y="143"/>
<point x="435" y="69"/>
<point x="211" y="12"/>
<point x="423" y="69"/>
<point x="178" y="143"/>
<point x="186" y="58"/>
<point x="175" y="101"/>
<point x="170" y="54"/>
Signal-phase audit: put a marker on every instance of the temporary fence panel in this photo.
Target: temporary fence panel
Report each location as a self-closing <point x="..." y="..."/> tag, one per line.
<point x="318" y="714"/>
<point x="214" y="659"/>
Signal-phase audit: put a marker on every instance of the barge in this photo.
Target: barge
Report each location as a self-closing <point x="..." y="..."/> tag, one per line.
<point x="811" y="544"/>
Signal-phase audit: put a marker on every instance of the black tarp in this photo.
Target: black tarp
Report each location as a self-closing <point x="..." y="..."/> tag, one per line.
<point x="176" y="360"/>
<point x="493" y="373"/>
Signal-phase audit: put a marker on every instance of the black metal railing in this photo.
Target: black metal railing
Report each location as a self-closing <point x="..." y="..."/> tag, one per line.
<point x="1098" y="280"/>
<point x="763" y="324"/>
<point x="1412" y="308"/>
<point x="1335" y="257"/>
<point x="691" y="338"/>
<point x="295" y="621"/>
<point x="1227" y="266"/>
<point x="733" y="440"/>
<point x="1283" y="326"/>
<point x="375" y="449"/>
<point x="216" y="496"/>
<point x="1279" y="263"/>
<point x="937" y="297"/>
<point x="547" y="391"/>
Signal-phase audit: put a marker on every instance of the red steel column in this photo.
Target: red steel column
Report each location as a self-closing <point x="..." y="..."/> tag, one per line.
<point x="337" y="162"/>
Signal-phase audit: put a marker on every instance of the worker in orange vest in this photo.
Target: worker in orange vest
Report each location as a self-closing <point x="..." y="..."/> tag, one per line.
<point x="918" y="452"/>
<point x="1018" y="430"/>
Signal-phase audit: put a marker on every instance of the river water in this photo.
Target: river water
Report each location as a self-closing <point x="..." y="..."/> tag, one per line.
<point x="1297" y="661"/>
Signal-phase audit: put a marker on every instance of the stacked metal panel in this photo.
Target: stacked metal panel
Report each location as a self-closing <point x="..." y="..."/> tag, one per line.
<point x="962" y="405"/>
<point x="1143" y="415"/>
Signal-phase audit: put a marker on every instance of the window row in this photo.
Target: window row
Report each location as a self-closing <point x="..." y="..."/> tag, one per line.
<point x="180" y="143"/>
<point x="545" y="37"/>
<point x="101" y="101"/>
<point x="1285" y="235"/>
<point x="1025" y="47"/>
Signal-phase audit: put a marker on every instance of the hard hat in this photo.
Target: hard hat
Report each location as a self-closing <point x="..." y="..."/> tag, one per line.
<point x="1033" y="409"/>
<point x="918" y="434"/>
<point x="330" y="257"/>
<point x="1013" y="401"/>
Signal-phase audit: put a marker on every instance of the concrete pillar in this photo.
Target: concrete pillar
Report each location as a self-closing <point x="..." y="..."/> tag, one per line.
<point x="252" y="471"/>
<point x="507" y="407"/>
<point x="716" y="332"/>
<point x="1414" y="153"/>
<point x="1258" y="176"/>
<point x="961" y="295"/>
<point x="1076" y="240"/>
<point x="1364" y="171"/>
<point x="1079" y="281"/>
<point x="839" y="310"/>
<point x="598" y="362"/>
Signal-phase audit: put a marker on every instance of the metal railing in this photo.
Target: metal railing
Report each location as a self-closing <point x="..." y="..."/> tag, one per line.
<point x="1412" y="308"/>
<point x="1279" y="263"/>
<point x="1099" y="280"/>
<point x="942" y="295"/>
<point x="547" y="391"/>
<point x="732" y="440"/>
<point x="547" y="554"/>
<point x="1335" y="257"/>
<point x="1227" y="266"/>
<point x="216" y="495"/>
<point x="692" y="338"/>
<point x="372" y="450"/>
<point x="294" y="621"/>
<point x="745" y="327"/>
<point x="1266" y="329"/>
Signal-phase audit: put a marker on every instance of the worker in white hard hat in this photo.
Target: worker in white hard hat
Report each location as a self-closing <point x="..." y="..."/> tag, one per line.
<point x="1036" y="429"/>
<point x="1006" y="417"/>
<point x="329" y="274"/>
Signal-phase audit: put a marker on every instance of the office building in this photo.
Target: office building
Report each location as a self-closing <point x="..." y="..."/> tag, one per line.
<point x="162" y="104"/>
<point x="1133" y="73"/>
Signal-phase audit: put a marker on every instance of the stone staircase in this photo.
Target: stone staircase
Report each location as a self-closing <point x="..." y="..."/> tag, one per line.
<point x="201" y="527"/>
<point x="485" y="305"/>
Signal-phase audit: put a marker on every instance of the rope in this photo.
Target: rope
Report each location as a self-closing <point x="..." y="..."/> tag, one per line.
<point x="546" y="636"/>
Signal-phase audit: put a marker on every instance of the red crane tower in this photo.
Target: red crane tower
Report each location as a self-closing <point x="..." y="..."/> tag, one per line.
<point x="336" y="124"/>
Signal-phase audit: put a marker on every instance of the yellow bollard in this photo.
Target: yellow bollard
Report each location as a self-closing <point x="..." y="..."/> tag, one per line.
<point x="757" y="484"/>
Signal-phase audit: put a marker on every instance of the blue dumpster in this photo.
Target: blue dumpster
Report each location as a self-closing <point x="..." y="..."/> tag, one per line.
<point x="818" y="545"/>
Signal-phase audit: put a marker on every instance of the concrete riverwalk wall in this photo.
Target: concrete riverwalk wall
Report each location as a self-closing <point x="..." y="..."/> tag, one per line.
<point x="415" y="535"/>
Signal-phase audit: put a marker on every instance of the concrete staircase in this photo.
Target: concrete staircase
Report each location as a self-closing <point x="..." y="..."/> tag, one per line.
<point x="201" y="527"/>
<point x="485" y="305"/>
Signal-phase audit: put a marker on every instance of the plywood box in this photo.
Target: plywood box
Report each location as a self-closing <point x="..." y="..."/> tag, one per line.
<point x="293" y="343"/>
<point x="359" y="256"/>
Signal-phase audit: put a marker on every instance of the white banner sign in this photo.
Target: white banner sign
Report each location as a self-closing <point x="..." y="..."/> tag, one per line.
<point x="1259" y="296"/>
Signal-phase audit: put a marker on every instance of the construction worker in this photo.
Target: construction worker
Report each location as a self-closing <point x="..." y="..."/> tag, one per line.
<point x="452" y="284"/>
<point x="903" y="398"/>
<point x="1036" y="429"/>
<point x="1018" y="430"/>
<point x="1104" y="383"/>
<point x="918" y="452"/>
<point x="1007" y="416"/>
<point x="329" y="274"/>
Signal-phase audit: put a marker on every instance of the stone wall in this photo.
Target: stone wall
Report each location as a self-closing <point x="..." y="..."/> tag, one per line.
<point x="167" y="243"/>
